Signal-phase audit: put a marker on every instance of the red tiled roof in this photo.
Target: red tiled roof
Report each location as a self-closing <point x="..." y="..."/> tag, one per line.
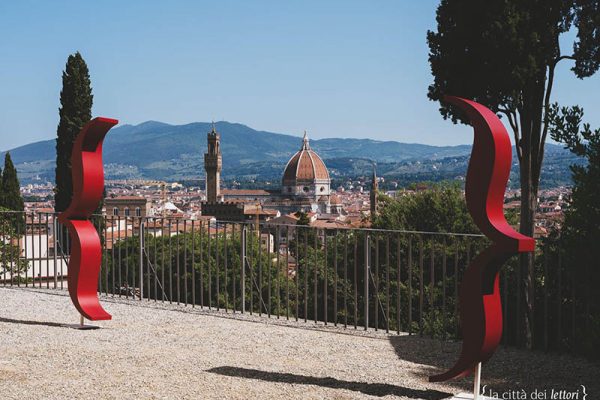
<point x="325" y="223"/>
<point x="125" y="198"/>
<point x="244" y="192"/>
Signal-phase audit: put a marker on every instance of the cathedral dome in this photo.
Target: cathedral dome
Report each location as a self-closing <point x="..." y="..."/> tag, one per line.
<point x="306" y="173"/>
<point x="305" y="166"/>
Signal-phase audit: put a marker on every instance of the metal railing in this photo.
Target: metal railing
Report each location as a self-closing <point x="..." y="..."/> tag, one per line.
<point x="395" y="281"/>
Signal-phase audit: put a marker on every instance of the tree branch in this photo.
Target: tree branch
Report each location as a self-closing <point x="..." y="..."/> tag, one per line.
<point x="546" y="111"/>
<point x="512" y="120"/>
<point x="565" y="57"/>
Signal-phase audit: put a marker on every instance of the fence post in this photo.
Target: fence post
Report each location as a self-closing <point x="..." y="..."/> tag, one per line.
<point x="243" y="269"/>
<point x="366" y="279"/>
<point x="55" y="246"/>
<point x="141" y="272"/>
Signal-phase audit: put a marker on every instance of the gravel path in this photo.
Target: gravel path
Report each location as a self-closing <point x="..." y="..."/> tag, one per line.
<point x="153" y="351"/>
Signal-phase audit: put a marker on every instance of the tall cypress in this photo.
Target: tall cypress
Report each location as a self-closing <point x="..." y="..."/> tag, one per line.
<point x="1" y="194"/>
<point x="10" y="196"/>
<point x="12" y="225"/>
<point x="75" y="111"/>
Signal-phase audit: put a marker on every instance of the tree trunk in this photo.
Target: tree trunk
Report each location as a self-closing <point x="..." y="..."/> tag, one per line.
<point x="530" y="165"/>
<point x="526" y="260"/>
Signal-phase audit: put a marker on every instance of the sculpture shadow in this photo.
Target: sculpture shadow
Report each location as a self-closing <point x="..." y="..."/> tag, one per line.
<point x="435" y="356"/>
<point x="372" y="389"/>
<point x="25" y="322"/>
<point x="510" y="368"/>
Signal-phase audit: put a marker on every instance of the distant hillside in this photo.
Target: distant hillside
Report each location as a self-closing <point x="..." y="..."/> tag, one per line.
<point x="156" y="150"/>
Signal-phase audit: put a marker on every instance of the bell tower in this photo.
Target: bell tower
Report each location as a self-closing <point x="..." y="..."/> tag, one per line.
<point x="374" y="195"/>
<point x="212" y="165"/>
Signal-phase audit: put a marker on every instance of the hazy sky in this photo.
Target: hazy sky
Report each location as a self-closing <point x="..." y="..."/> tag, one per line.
<point x="336" y="68"/>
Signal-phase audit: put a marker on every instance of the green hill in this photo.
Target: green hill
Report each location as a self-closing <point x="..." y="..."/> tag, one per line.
<point x="155" y="150"/>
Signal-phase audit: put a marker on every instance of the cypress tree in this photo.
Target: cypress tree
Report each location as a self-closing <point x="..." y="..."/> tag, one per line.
<point x="10" y="196"/>
<point x="75" y="111"/>
<point x="1" y="194"/>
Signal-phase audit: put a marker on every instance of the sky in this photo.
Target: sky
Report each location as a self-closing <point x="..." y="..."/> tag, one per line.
<point x="337" y="68"/>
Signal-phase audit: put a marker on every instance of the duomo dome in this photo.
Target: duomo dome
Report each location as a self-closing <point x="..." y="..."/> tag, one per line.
<point x="305" y="174"/>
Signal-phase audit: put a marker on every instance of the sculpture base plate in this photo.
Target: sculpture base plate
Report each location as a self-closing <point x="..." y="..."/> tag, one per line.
<point x="467" y="396"/>
<point x="81" y="327"/>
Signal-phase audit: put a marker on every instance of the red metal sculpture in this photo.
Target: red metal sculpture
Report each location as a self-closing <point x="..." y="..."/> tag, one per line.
<point x="487" y="175"/>
<point x="88" y="187"/>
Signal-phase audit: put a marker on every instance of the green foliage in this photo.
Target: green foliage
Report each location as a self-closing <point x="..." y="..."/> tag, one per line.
<point x="500" y="52"/>
<point x="75" y="111"/>
<point x="494" y="51"/>
<point x="197" y="268"/>
<point x="10" y="197"/>
<point x="303" y="218"/>
<point x="503" y="54"/>
<point x="439" y="209"/>
<point x="304" y="235"/>
<point x="581" y="228"/>
<point x="10" y="194"/>
<point x="412" y="279"/>
<point x="10" y="254"/>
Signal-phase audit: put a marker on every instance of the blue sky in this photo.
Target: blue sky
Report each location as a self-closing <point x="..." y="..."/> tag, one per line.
<point x="335" y="68"/>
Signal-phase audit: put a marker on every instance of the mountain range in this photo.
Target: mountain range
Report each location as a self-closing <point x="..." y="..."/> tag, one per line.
<point x="156" y="150"/>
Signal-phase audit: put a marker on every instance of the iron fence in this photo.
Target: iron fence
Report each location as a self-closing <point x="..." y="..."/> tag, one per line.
<point x="396" y="281"/>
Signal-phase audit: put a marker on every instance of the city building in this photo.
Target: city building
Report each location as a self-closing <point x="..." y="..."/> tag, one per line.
<point x="305" y="187"/>
<point x="126" y="206"/>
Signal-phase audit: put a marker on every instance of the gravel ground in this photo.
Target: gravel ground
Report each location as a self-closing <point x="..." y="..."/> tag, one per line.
<point x="155" y="351"/>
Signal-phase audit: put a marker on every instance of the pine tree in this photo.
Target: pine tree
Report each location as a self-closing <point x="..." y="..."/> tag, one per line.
<point x="75" y="111"/>
<point x="10" y="196"/>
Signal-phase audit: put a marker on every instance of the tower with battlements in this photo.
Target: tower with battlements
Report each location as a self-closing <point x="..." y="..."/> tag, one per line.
<point x="213" y="164"/>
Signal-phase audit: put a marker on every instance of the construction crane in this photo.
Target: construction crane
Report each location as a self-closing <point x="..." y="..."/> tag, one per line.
<point x="257" y="218"/>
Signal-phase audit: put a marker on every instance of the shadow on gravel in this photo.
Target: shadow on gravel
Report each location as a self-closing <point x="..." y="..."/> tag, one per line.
<point x="372" y="389"/>
<point x="434" y="355"/>
<point x="24" y="322"/>
<point x="508" y="370"/>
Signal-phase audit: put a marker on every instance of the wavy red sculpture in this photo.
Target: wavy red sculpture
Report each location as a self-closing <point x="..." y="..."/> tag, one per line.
<point x="88" y="186"/>
<point x="487" y="175"/>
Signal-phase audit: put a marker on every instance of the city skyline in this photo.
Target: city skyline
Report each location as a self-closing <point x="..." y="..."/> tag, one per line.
<point x="341" y="69"/>
<point x="257" y="199"/>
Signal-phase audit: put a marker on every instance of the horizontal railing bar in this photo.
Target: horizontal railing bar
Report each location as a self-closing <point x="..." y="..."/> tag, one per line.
<point x="268" y="224"/>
